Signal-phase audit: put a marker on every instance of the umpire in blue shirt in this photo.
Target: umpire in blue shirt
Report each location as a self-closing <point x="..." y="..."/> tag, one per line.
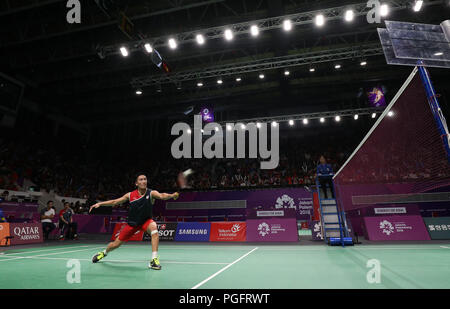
<point x="325" y="175"/>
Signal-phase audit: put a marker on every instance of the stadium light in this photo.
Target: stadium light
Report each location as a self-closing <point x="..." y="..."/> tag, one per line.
<point x="254" y="30"/>
<point x="320" y="20"/>
<point x="200" y="39"/>
<point x="356" y="117"/>
<point x="138" y="91"/>
<point x="287" y="25"/>
<point x="363" y="63"/>
<point x="305" y="121"/>
<point x="418" y="5"/>
<point x="390" y="113"/>
<point x="274" y="123"/>
<point x="374" y="115"/>
<point x="189" y="131"/>
<point x="172" y="43"/>
<point x="258" y="125"/>
<point x="438" y="53"/>
<point x="384" y="10"/>
<point x="217" y="129"/>
<point x="291" y="122"/>
<point x="242" y="126"/>
<point x="228" y="34"/>
<point x="322" y="120"/>
<point x="199" y="84"/>
<point x="219" y="81"/>
<point x="337" y="66"/>
<point x="261" y="76"/>
<point x="312" y="69"/>
<point x="286" y="73"/>
<point x="148" y="48"/>
<point x="228" y="127"/>
<point x="124" y="51"/>
<point x="238" y="79"/>
<point x="349" y="15"/>
<point x="337" y="118"/>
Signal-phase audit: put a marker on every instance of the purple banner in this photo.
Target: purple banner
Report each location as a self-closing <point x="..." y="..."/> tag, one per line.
<point x="272" y="230"/>
<point x="25" y="233"/>
<point x="396" y="228"/>
<point x="297" y="199"/>
<point x="316" y="230"/>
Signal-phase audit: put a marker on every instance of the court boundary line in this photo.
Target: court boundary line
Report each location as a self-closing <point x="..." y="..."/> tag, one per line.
<point x="28" y="257"/>
<point x="122" y="261"/>
<point x="223" y="269"/>
<point x="60" y="247"/>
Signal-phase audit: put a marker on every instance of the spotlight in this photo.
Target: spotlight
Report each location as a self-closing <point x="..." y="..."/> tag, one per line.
<point x="305" y="121"/>
<point x="172" y="43"/>
<point x="374" y="115"/>
<point x="320" y="20"/>
<point x="261" y="76"/>
<point x="384" y="10"/>
<point x="189" y="131"/>
<point x="138" y="91"/>
<point x="363" y="63"/>
<point x="200" y="39"/>
<point x="258" y="125"/>
<point x="287" y="25"/>
<point x="312" y="69"/>
<point x="219" y="81"/>
<point x="148" y="48"/>
<point x="337" y="118"/>
<point x="242" y="126"/>
<point x="199" y="84"/>
<point x="238" y="79"/>
<point x="291" y="122"/>
<point x="349" y="15"/>
<point x="254" y="30"/>
<point x="337" y="66"/>
<point x="390" y="113"/>
<point x="287" y="73"/>
<point x="228" y="34"/>
<point x="124" y="51"/>
<point x="438" y="53"/>
<point x="274" y="123"/>
<point x="356" y="117"/>
<point x="418" y="5"/>
<point x="322" y="120"/>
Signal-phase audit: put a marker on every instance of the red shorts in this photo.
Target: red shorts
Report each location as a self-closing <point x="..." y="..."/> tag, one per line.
<point x="128" y="231"/>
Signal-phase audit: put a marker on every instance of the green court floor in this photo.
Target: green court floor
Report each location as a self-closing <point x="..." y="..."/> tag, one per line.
<point x="240" y="266"/>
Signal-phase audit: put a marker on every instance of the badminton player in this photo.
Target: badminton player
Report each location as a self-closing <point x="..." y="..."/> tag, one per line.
<point x="139" y="218"/>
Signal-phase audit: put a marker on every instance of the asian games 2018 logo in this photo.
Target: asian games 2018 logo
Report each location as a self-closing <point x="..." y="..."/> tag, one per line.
<point x="386" y="227"/>
<point x="285" y="201"/>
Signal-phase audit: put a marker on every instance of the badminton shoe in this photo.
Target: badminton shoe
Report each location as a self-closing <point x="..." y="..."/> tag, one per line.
<point x="98" y="257"/>
<point x="154" y="264"/>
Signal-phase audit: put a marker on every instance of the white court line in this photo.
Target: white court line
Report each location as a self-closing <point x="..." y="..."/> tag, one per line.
<point x="126" y="261"/>
<point x="223" y="269"/>
<point x="444" y="247"/>
<point x="62" y="247"/>
<point x="63" y="252"/>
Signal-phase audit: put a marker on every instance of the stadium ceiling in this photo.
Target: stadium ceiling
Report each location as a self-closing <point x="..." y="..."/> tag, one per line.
<point x="64" y="74"/>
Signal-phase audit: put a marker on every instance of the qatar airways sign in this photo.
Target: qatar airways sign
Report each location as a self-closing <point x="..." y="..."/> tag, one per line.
<point x="25" y="233"/>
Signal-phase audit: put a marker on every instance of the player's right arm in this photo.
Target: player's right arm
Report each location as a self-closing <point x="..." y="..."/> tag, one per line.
<point x="115" y="202"/>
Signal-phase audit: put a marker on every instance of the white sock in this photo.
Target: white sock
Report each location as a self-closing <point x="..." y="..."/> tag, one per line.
<point x="154" y="254"/>
<point x="104" y="252"/>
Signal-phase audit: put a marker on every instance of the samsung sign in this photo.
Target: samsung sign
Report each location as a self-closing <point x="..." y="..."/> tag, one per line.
<point x="193" y="231"/>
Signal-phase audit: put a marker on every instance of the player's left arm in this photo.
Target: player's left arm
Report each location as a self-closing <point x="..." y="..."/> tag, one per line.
<point x="164" y="196"/>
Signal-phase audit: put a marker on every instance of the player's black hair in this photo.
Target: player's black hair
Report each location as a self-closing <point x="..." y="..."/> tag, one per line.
<point x="137" y="176"/>
<point x="48" y="203"/>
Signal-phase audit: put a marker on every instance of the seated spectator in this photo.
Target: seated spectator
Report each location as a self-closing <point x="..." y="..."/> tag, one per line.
<point x="5" y="195"/>
<point x="325" y="174"/>
<point x="47" y="215"/>
<point x="2" y="216"/>
<point x="67" y="226"/>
